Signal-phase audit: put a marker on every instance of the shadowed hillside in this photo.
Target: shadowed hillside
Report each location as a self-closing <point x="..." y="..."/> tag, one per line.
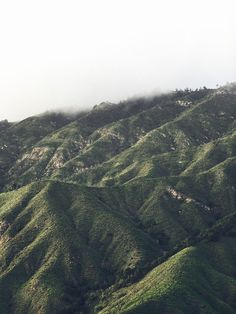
<point x="127" y="208"/>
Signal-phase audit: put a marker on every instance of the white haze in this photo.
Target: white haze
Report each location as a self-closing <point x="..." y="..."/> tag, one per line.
<point x="78" y="53"/>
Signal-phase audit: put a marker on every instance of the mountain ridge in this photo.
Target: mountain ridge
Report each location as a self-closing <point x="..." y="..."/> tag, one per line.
<point x="95" y="207"/>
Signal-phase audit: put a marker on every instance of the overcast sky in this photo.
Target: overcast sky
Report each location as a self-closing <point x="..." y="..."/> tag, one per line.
<point x="65" y="53"/>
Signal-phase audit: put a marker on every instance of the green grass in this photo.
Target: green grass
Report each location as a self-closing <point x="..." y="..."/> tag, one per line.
<point x="199" y="279"/>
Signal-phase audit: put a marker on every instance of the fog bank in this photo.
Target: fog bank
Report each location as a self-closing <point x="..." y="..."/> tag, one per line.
<point x="76" y="53"/>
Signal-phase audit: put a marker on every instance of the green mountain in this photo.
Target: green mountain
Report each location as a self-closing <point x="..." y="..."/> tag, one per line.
<point x="126" y="208"/>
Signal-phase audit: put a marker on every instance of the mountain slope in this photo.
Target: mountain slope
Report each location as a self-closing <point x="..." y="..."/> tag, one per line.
<point x="122" y="209"/>
<point x="198" y="279"/>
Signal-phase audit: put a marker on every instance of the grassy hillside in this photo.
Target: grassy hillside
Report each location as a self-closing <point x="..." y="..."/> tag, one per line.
<point x="127" y="208"/>
<point x="199" y="279"/>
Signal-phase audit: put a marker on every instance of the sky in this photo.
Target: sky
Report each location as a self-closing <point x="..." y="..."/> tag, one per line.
<point x="73" y="54"/>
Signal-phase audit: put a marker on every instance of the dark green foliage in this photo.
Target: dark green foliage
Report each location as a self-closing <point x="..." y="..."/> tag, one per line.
<point x="127" y="208"/>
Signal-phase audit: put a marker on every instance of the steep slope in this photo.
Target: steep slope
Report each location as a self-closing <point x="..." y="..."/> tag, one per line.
<point x="52" y="228"/>
<point x="123" y="209"/>
<point x="97" y="136"/>
<point x="98" y="237"/>
<point x="166" y="150"/>
<point x="198" y="279"/>
<point x="17" y="138"/>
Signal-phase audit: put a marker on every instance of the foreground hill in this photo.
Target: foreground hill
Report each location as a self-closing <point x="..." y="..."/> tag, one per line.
<point x="128" y="208"/>
<point x="169" y="288"/>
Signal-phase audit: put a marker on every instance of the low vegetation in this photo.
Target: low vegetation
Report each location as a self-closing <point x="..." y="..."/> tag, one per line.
<point x="127" y="208"/>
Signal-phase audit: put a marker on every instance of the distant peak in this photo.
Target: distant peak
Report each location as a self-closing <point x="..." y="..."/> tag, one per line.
<point x="103" y="105"/>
